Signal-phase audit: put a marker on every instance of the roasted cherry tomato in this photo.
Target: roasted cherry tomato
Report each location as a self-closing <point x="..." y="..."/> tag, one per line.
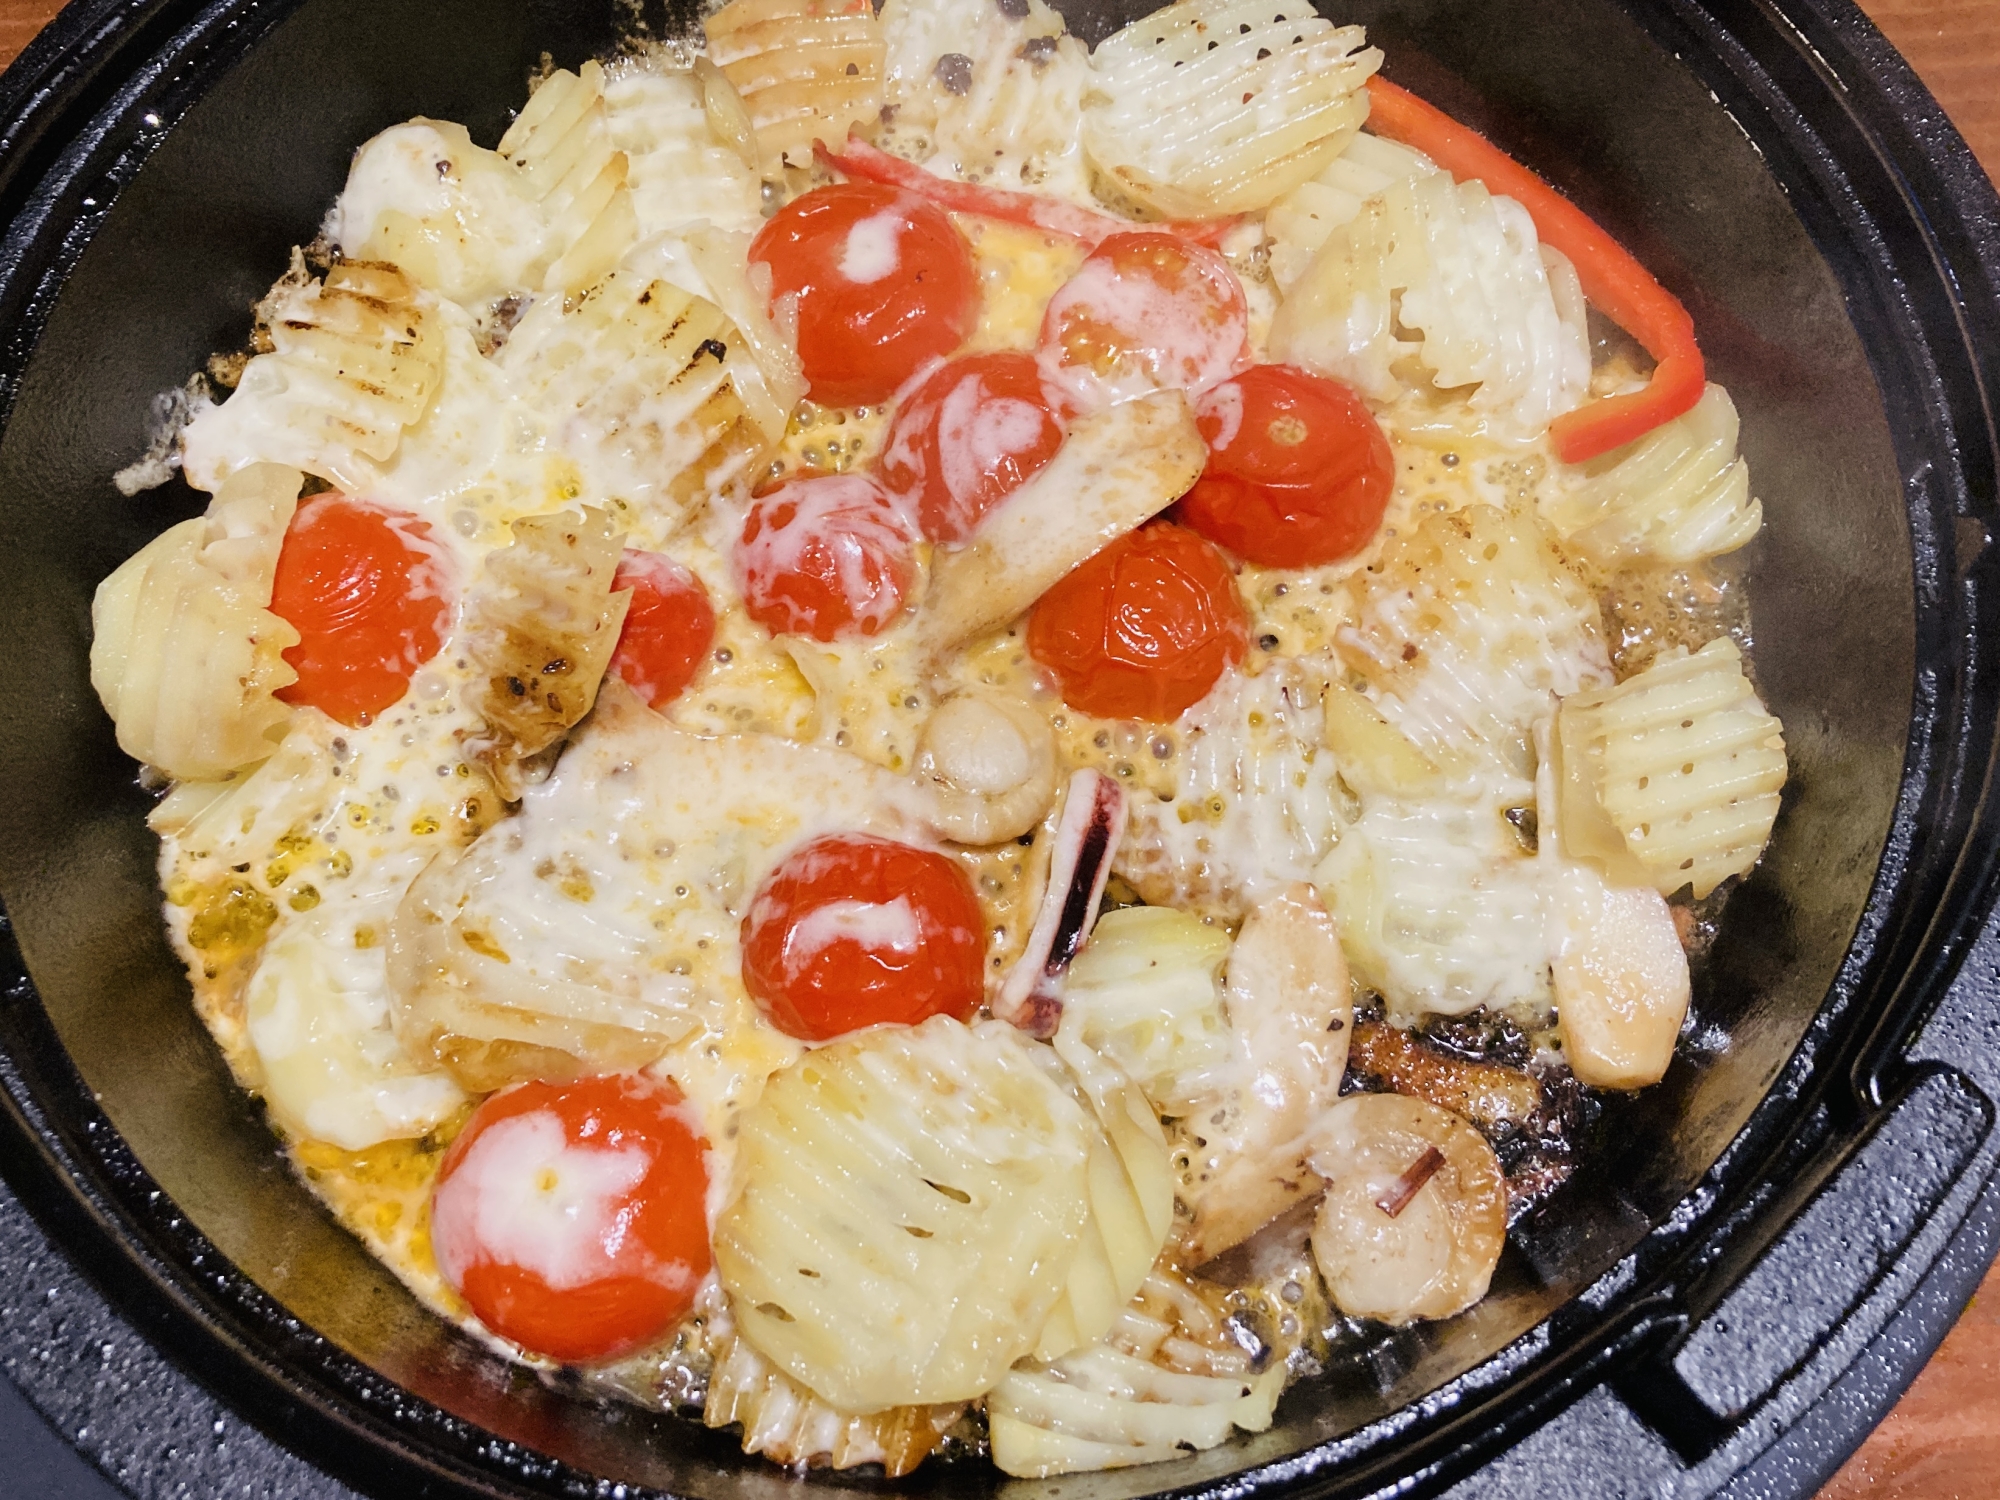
<point x="971" y="433"/>
<point x="825" y="556"/>
<point x="368" y="592"/>
<point x="1298" y="472"/>
<point x="884" y="283"/>
<point x="571" y="1217"/>
<point x="853" y="930"/>
<point x="669" y="626"/>
<point x="1145" y="311"/>
<point x="1145" y="628"/>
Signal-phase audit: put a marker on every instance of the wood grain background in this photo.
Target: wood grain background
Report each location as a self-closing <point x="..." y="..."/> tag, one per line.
<point x="1943" y="1441"/>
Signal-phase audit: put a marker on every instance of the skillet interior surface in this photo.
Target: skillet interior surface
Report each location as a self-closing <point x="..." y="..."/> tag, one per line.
<point x="1577" y="87"/>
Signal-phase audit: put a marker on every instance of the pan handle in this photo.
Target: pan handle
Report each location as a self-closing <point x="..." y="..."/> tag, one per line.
<point x="1859" y="1231"/>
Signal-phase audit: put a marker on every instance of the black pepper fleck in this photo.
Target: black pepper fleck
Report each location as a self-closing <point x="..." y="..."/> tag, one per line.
<point x="954" y="72"/>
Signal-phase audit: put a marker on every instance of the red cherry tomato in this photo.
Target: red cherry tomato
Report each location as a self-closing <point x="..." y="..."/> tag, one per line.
<point x="1298" y="472"/>
<point x="1146" y="311"/>
<point x="854" y="931"/>
<point x="973" y="432"/>
<point x="1145" y="628"/>
<point x="368" y="592"/>
<point x="669" y="626"/>
<point x="884" y="283"/>
<point x="825" y="556"/>
<point x="571" y="1217"/>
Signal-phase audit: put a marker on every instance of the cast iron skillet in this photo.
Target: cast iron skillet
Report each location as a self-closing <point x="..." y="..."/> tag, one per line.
<point x="1744" y="1223"/>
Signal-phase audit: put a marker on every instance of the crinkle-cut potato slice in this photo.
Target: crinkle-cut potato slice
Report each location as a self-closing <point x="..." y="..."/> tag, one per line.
<point x="789" y="1425"/>
<point x="1678" y="494"/>
<point x="641" y="380"/>
<point x="1221" y="106"/>
<point x="1146" y="994"/>
<point x="1440" y="907"/>
<point x="1101" y="1408"/>
<point x="807" y="70"/>
<point x="1131" y="1203"/>
<point x="1685" y="760"/>
<point x="1498" y="311"/>
<point x="1306" y="217"/>
<point x="599" y="926"/>
<point x="449" y="214"/>
<point x="542" y="624"/>
<point x="1461" y="631"/>
<point x="561" y="145"/>
<point x="549" y="211"/>
<point x="464" y="1000"/>
<point x="681" y="168"/>
<point x="999" y="93"/>
<point x="911" y="1202"/>
<point x="1255" y="802"/>
<point x="354" y="361"/>
<point x="185" y="653"/>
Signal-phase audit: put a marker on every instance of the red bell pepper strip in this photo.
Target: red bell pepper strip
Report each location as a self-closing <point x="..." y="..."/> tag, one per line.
<point x="1616" y="284"/>
<point x="859" y="159"/>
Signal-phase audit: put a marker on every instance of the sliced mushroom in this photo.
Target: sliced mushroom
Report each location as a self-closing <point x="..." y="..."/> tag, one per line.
<point x="1415" y="1210"/>
<point x="987" y="763"/>
<point x="1117" y="469"/>
<point x="1086" y="836"/>
<point x="1292" y="1011"/>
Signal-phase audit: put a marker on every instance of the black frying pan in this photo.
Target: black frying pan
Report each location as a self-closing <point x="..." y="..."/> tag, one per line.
<point x="1745" y="1225"/>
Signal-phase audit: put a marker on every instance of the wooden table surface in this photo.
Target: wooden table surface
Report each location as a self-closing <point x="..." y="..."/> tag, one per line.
<point x="1942" y="1442"/>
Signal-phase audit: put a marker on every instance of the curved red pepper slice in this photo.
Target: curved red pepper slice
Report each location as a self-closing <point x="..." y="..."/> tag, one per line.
<point x="1614" y="282"/>
<point x="859" y="159"/>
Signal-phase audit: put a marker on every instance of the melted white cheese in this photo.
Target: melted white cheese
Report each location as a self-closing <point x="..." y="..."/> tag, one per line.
<point x="524" y="1195"/>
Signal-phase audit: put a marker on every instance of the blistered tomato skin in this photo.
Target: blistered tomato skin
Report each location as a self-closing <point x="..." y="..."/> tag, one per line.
<point x="884" y="283"/>
<point x="1145" y="312"/>
<point x="1299" y="472"/>
<point x="828" y="556"/>
<point x="966" y="437"/>
<point x="852" y="931"/>
<point x="1145" y="628"/>
<point x="669" y="626"/>
<point x="369" y="594"/>
<point x="572" y="1216"/>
